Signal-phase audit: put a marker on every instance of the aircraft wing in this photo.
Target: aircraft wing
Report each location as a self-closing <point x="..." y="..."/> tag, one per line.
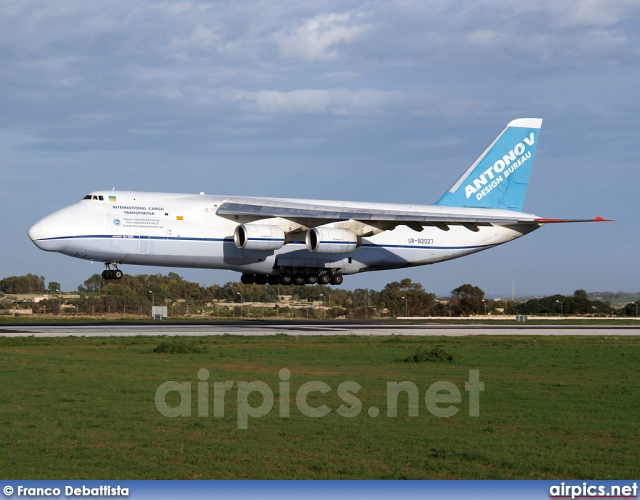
<point x="311" y="214"/>
<point x="324" y="214"/>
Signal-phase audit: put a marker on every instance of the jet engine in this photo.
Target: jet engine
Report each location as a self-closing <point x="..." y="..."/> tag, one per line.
<point x="258" y="237"/>
<point x="331" y="240"/>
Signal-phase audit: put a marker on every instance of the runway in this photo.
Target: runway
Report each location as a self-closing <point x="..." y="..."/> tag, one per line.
<point x="304" y="328"/>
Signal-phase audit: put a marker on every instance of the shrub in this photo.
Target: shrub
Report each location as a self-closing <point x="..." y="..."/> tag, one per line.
<point x="423" y="356"/>
<point x="394" y="339"/>
<point x="177" y="347"/>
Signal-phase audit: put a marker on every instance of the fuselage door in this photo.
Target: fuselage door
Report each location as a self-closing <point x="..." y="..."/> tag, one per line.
<point x="144" y="243"/>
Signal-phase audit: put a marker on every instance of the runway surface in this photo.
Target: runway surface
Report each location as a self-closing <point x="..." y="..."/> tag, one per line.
<point x="302" y="328"/>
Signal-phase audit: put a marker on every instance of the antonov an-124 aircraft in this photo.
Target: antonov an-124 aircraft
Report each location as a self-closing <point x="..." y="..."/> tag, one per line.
<point x="291" y="241"/>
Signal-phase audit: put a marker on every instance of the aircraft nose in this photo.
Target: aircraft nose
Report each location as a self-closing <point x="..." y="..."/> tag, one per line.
<point x="45" y="234"/>
<point x="36" y="232"/>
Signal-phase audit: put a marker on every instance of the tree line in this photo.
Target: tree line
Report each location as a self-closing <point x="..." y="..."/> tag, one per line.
<point x="404" y="298"/>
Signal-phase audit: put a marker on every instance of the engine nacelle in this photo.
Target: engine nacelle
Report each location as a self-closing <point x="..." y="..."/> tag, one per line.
<point x="258" y="237"/>
<point x="331" y="240"/>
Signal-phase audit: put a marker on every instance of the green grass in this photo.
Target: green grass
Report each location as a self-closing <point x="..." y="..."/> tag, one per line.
<point x="553" y="407"/>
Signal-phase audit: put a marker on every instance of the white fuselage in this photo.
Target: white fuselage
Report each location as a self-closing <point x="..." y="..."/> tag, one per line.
<point x="165" y="229"/>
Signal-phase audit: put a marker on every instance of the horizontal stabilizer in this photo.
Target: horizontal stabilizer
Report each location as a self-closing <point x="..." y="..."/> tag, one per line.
<point x="559" y="221"/>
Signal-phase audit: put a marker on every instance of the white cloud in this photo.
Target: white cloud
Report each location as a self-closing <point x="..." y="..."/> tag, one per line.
<point x="200" y="38"/>
<point x="339" y="76"/>
<point x="571" y="12"/>
<point x="194" y="58"/>
<point x="331" y="101"/>
<point x="319" y="37"/>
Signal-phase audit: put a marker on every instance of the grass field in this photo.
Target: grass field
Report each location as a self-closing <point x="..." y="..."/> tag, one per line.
<point x="552" y="407"/>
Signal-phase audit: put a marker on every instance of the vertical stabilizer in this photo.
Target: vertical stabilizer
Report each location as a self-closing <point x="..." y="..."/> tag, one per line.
<point x="500" y="175"/>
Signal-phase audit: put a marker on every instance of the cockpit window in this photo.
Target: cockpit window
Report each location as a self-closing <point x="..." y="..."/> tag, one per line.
<point x="88" y="197"/>
<point x="94" y="197"/>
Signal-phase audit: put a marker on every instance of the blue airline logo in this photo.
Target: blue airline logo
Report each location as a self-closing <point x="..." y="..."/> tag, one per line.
<point x="500" y="170"/>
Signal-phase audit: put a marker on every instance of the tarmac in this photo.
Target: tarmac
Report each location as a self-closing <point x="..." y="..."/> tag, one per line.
<point x="261" y="328"/>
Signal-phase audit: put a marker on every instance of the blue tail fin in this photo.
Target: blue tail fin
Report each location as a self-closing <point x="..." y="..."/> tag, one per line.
<point x="499" y="177"/>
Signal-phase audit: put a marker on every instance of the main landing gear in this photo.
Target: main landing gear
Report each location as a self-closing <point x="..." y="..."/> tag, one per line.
<point x="112" y="274"/>
<point x="293" y="278"/>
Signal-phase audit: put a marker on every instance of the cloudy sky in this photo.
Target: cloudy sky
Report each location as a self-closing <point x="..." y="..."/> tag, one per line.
<point x="351" y="100"/>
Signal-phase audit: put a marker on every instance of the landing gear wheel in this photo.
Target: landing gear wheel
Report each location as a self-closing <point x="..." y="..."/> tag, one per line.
<point x="298" y="279"/>
<point x="111" y="274"/>
<point x="324" y="279"/>
<point x="311" y="279"/>
<point x="261" y="279"/>
<point x="337" y="279"/>
<point x="247" y="279"/>
<point x="285" y="279"/>
<point x="273" y="279"/>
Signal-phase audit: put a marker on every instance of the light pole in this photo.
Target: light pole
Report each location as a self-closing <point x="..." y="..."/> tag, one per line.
<point x="322" y="295"/>
<point x="366" y="311"/>
<point x="241" y="302"/>
<point x="561" y="308"/>
<point x="406" y="307"/>
<point x="485" y="306"/>
<point x="59" y="303"/>
<point x="153" y="301"/>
